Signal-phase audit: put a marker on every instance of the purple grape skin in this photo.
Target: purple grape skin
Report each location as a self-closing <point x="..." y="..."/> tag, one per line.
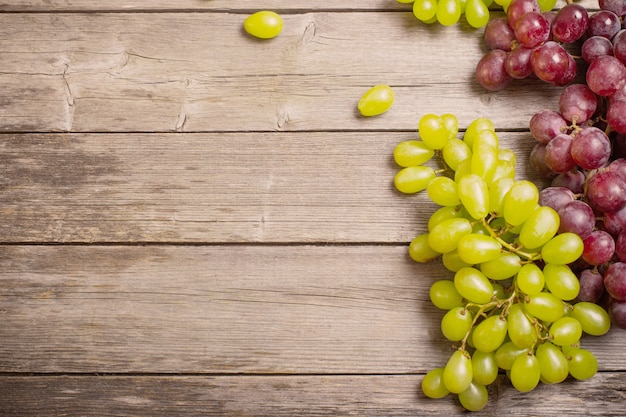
<point x="615" y="222"/>
<point x="517" y="8"/>
<point x="616" y="115"/>
<point x="591" y="286"/>
<point x="545" y="125"/>
<point x="619" y="167"/>
<point x="559" y="153"/>
<point x="616" y="6"/>
<point x="615" y="281"/>
<point x="573" y="180"/>
<point x="556" y="197"/>
<point x="606" y="75"/>
<point x="603" y="23"/>
<point x="517" y="62"/>
<point x="617" y="313"/>
<point x="606" y="191"/>
<point x="620" y="246"/>
<point x="490" y="71"/>
<point x="619" y="46"/>
<point x="570" y="23"/>
<point x="537" y="161"/>
<point x="577" y="217"/>
<point x="591" y="148"/>
<point x="531" y="29"/>
<point x="498" y="34"/>
<point x="599" y="247"/>
<point x="550" y="62"/>
<point x="577" y="103"/>
<point x="594" y="47"/>
<point x="569" y="74"/>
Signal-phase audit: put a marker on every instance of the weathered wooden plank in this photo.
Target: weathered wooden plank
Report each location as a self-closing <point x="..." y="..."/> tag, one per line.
<point x="392" y="395"/>
<point x="226" y="309"/>
<point x="237" y="187"/>
<point x="201" y="72"/>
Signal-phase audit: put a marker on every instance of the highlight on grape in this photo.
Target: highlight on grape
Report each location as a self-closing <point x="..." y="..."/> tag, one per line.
<point x="514" y="301"/>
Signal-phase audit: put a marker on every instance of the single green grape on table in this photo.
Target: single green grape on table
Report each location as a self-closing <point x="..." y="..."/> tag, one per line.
<point x="510" y="302"/>
<point x="376" y="101"/>
<point x="263" y="24"/>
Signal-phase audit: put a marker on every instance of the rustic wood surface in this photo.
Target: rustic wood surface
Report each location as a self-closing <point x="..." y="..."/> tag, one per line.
<point x="199" y="223"/>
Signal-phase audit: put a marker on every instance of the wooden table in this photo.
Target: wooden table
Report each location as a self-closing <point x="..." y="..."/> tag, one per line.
<point x="198" y="223"/>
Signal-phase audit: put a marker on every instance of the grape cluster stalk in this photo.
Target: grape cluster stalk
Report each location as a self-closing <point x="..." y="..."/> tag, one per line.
<point x="511" y="302"/>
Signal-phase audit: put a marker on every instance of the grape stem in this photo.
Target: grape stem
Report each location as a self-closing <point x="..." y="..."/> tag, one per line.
<point x="511" y="248"/>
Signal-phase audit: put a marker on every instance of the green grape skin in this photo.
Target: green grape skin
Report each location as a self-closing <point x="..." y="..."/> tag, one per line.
<point x="552" y="363"/>
<point x="443" y="191"/>
<point x="503" y="169"/>
<point x="540" y="227"/>
<point x="420" y="251"/>
<point x="582" y="364"/>
<point x="425" y="10"/>
<point x="263" y="24"/>
<point x="472" y="131"/>
<point x="474" y="195"/>
<point x="464" y="168"/>
<point x="498" y="291"/>
<point x="490" y="333"/>
<point x="452" y="124"/>
<point x="594" y="320"/>
<point x="445" y="236"/>
<point x="448" y="12"/>
<point x="473" y="285"/>
<point x="486" y="137"/>
<point x="433" y="131"/>
<point x="497" y="191"/>
<point x="443" y="295"/>
<point x="530" y="279"/>
<point x="525" y="372"/>
<point x="561" y="281"/>
<point x="521" y="330"/>
<point x="411" y="180"/>
<point x="477" y="248"/>
<point x="452" y="261"/>
<point x="376" y="101"/>
<point x="545" y="5"/>
<point x="476" y="13"/>
<point x="432" y="384"/>
<point x="545" y="306"/>
<point x="484" y="160"/>
<point x="505" y="154"/>
<point x="454" y="152"/>
<point x="503" y="267"/>
<point x="520" y="202"/>
<point x="564" y="248"/>
<point x="412" y="153"/>
<point x="445" y="213"/>
<point x="475" y="397"/>
<point x="565" y="331"/>
<point x="458" y="373"/>
<point x="484" y="367"/>
<point x="456" y="323"/>
<point x="507" y="353"/>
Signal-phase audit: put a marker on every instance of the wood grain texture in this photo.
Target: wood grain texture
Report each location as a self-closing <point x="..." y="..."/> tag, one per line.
<point x="236" y="187"/>
<point x="200" y="72"/>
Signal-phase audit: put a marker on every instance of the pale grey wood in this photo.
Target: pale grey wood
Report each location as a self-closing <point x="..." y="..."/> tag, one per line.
<point x="227" y="309"/>
<point x="235" y="187"/>
<point x="362" y="395"/>
<point x="201" y="72"/>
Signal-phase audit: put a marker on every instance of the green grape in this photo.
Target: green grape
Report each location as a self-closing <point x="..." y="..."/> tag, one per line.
<point x="486" y="137"/>
<point x="552" y="363"/>
<point x="474" y="195"/>
<point x="545" y="306"/>
<point x="263" y="24"/>
<point x="503" y="267"/>
<point x="561" y="281"/>
<point x="484" y="160"/>
<point x="444" y="213"/>
<point x="525" y="372"/>
<point x="452" y="261"/>
<point x="425" y="10"/>
<point x="473" y="285"/>
<point x="482" y="123"/>
<point x="545" y="5"/>
<point x="420" y="250"/>
<point x="475" y="397"/>
<point x="477" y="248"/>
<point x="476" y="13"/>
<point x="564" y="248"/>
<point x="443" y="191"/>
<point x="530" y="279"/>
<point x="456" y="323"/>
<point x="498" y="291"/>
<point x="433" y="131"/>
<point x="432" y="384"/>
<point x="443" y="295"/>
<point x="592" y="317"/>
<point x="458" y="374"/>
<point x="411" y="180"/>
<point x="452" y="124"/>
<point x="565" y="331"/>
<point x="412" y="153"/>
<point x="484" y="367"/>
<point x="448" y="12"/>
<point x="377" y="100"/>
<point x="507" y="353"/>
<point x="445" y="236"/>
<point x="490" y="333"/>
<point x="497" y="191"/>
<point x="488" y="2"/>
<point x="507" y="155"/>
<point x="454" y="152"/>
<point x="521" y="330"/>
<point x="540" y="227"/>
<point x="520" y="202"/>
<point x="504" y="169"/>
<point x="464" y="168"/>
<point x="582" y="364"/>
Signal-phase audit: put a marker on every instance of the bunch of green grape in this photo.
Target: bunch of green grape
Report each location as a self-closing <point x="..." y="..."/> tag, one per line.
<point x="511" y="301"/>
<point x="449" y="12"/>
